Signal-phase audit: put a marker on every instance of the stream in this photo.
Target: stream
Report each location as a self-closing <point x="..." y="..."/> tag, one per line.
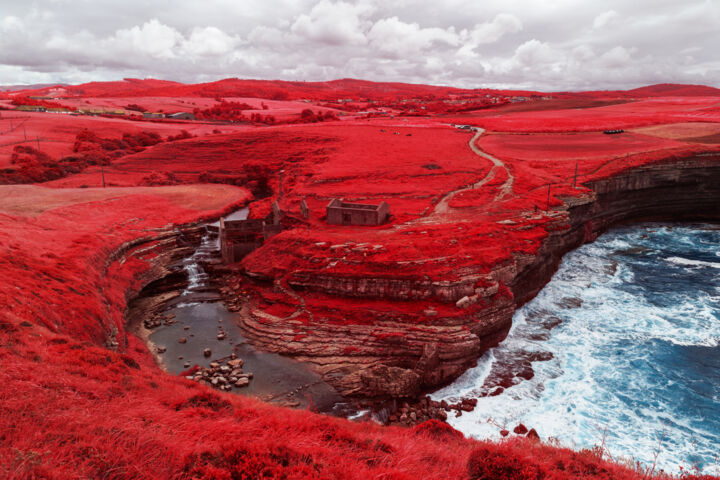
<point x="198" y="315"/>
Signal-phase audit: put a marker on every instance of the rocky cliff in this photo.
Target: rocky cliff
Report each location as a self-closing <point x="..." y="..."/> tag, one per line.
<point x="376" y="335"/>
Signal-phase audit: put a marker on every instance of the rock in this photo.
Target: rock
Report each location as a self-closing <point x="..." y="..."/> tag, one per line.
<point x="221" y="336"/>
<point x="391" y="381"/>
<point x="242" y="382"/>
<point x="161" y="349"/>
<point x="413" y="416"/>
<point x="207" y="352"/>
<point x="186" y="365"/>
<point x="214" y="364"/>
<point x="186" y="327"/>
<point x="533" y="434"/>
<point x="182" y="340"/>
<point x="458" y="413"/>
<point x="520" y="429"/>
<point x="235" y="362"/>
<point x="464" y="302"/>
<point x="430" y="312"/>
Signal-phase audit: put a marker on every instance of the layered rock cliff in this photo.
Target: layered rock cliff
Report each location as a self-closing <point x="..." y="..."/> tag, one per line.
<point x="375" y="335"/>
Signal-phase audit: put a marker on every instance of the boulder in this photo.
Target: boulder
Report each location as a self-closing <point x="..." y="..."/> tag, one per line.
<point x="520" y="429"/>
<point x="394" y="382"/>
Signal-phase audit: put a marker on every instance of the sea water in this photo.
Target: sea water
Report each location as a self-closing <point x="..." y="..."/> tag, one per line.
<point x="620" y="349"/>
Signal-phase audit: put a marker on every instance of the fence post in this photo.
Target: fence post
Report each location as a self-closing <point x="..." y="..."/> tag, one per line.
<point x="547" y="208"/>
<point x="575" y="179"/>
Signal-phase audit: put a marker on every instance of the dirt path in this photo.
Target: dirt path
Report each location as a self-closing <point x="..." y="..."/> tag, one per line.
<point x="443" y="206"/>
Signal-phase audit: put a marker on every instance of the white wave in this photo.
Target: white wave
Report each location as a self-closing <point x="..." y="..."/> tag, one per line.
<point x="468" y="381"/>
<point x="694" y="263"/>
<point x="186" y="304"/>
<point x="598" y="387"/>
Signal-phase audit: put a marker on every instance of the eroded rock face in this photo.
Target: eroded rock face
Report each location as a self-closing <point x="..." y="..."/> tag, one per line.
<point x="428" y="330"/>
<point x="391" y="382"/>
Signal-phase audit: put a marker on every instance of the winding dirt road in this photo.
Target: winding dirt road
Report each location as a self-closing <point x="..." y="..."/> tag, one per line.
<point x="443" y="206"/>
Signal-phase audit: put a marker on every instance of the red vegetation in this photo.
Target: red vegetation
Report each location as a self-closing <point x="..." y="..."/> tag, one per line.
<point x="38" y="102"/>
<point x="72" y="408"/>
<point x="224" y="110"/>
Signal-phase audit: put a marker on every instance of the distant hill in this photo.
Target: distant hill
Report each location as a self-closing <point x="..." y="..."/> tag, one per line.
<point x="35" y="86"/>
<point x="334" y="90"/>
<point x="675" y="90"/>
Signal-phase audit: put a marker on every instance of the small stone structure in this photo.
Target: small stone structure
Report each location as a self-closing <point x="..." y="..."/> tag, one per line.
<point x="240" y="237"/>
<point x="344" y="213"/>
<point x="304" y="210"/>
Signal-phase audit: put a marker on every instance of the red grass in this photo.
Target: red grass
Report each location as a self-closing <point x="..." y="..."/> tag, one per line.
<point x="71" y="408"/>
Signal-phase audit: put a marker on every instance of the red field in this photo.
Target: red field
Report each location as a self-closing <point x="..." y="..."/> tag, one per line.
<point x="71" y="407"/>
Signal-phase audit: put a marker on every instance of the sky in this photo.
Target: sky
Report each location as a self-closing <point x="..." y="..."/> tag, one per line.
<point x="529" y="44"/>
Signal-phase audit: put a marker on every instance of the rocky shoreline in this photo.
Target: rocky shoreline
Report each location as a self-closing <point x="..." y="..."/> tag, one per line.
<point x="396" y="357"/>
<point x="364" y="363"/>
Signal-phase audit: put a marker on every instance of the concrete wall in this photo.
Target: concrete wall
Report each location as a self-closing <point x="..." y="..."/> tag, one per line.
<point x="339" y="213"/>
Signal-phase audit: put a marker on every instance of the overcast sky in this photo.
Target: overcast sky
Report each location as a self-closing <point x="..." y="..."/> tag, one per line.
<point x="538" y="44"/>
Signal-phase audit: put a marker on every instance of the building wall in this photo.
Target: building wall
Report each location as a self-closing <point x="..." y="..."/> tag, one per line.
<point x="346" y="216"/>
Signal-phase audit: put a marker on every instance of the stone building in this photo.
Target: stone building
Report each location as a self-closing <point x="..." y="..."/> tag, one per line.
<point x="345" y="213"/>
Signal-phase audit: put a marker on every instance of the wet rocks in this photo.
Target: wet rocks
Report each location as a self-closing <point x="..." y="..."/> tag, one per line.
<point x="207" y="352"/>
<point x="520" y="429"/>
<point x="182" y="340"/>
<point x="427" y="409"/>
<point x="157" y="320"/>
<point x="223" y="375"/>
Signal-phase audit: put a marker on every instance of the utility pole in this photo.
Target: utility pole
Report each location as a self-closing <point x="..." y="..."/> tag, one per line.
<point x="547" y="208"/>
<point x="24" y="133"/>
<point x="575" y="179"/>
<point x="38" y="143"/>
<point x="102" y="172"/>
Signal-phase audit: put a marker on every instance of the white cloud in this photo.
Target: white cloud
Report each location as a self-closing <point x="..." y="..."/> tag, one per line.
<point x="391" y="35"/>
<point x="605" y="18"/>
<point x="617" y="57"/>
<point x="491" y="32"/>
<point x="209" y="41"/>
<point x="494" y="43"/>
<point x="333" y="23"/>
<point x="152" y="38"/>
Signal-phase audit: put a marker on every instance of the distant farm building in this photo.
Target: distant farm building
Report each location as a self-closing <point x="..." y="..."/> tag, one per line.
<point x="344" y="213"/>
<point x="151" y="115"/>
<point x="91" y="111"/>
<point x="614" y="132"/>
<point x="181" y="116"/>
<point x="59" y="110"/>
<point x="30" y="108"/>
